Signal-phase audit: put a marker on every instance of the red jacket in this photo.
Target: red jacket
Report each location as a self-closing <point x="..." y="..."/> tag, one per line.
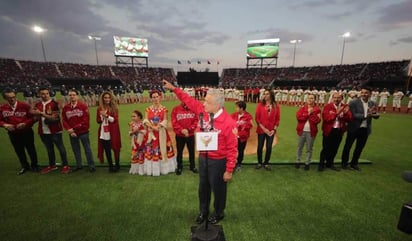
<point x="20" y="115"/>
<point x="50" y="108"/>
<point x="76" y="118"/>
<point x="183" y="118"/>
<point x="269" y="120"/>
<point x="329" y="115"/>
<point x="224" y="124"/>
<point x="244" y="124"/>
<point x="302" y="115"/>
<point x="115" y="139"/>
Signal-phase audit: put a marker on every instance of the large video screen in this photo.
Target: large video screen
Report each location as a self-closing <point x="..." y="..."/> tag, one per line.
<point x="263" y="48"/>
<point x="130" y="46"/>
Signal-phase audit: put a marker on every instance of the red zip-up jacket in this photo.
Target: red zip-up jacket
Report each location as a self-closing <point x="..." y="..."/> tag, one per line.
<point x="269" y="119"/>
<point x="244" y="124"/>
<point x="114" y="129"/>
<point x="183" y="118"/>
<point x="302" y="115"/>
<point x="50" y="108"/>
<point x="20" y="115"/>
<point x="76" y="118"/>
<point x="223" y="124"/>
<point x="329" y="115"/>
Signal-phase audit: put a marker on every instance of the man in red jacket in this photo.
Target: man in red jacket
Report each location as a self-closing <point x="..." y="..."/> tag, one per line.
<point x="335" y="117"/>
<point x="220" y="163"/>
<point x="76" y="120"/>
<point x="50" y="130"/>
<point x="184" y="122"/>
<point x="15" y="117"/>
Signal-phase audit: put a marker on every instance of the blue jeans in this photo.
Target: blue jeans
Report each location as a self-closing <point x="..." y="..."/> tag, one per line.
<point x="75" y="142"/>
<point x="49" y="140"/>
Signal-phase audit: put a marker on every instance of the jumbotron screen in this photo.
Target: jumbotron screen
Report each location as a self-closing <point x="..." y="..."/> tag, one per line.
<point x="262" y="48"/>
<point x="130" y="46"/>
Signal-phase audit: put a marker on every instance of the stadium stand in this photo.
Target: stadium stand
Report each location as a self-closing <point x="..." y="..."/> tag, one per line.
<point x="22" y="73"/>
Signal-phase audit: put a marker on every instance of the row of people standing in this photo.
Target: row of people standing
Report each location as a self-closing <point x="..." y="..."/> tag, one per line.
<point x="338" y="117"/>
<point x="18" y="118"/>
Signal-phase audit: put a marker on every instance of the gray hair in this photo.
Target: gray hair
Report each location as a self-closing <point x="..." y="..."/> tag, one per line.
<point x="219" y="98"/>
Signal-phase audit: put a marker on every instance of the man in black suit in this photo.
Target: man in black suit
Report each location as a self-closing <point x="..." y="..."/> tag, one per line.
<point x="363" y="110"/>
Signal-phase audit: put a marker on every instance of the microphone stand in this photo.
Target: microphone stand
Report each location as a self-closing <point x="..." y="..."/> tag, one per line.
<point x="208" y="232"/>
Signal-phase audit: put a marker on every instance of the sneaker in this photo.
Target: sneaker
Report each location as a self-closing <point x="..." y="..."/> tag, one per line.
<point x="258" y="166"/>
<point x="306" y="167"/>
<point x="267" y="167"/>
<point x="48" y="169"/>
<point x="22" y="171"/>
<point x="92" y="169"/>
<point x="238" y="169"/>
<point x="65" y="169"/>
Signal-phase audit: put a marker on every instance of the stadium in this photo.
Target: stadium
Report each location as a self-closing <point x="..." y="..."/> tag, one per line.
<point x="285" y="203"/>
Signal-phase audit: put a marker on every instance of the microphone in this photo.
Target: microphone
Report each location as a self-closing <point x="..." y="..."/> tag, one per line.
<point x="211" y="121"/>
<point x="201" y="121"/>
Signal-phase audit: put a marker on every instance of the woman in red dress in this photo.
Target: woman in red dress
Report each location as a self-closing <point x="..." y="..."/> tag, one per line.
<point x="159" y="154"/>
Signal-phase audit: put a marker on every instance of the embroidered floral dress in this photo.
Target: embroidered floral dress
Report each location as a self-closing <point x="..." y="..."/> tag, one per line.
<point x="137" y="132"/>
<point x="159" y="153"/>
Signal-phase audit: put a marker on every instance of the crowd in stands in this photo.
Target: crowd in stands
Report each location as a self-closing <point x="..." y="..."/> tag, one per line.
<point x="21" y="73"/>
<point x="344" y="75"/>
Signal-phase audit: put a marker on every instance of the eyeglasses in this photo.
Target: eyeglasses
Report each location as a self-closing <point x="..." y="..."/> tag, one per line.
<point x="10" y="97"/>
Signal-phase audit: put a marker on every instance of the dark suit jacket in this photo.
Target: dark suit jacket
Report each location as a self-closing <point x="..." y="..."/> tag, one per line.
<point x="356" y="107"/>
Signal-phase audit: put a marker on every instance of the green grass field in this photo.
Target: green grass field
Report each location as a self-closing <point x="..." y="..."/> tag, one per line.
<point x="284" y="204"/>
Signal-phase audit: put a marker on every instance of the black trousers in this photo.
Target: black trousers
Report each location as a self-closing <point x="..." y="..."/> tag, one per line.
<point x="180" y="145"/>
<point x="330" y="146"/>
<point x="261" y="141"/>
<point x="22" y="142"/>
<point x="240" y="151"/>
<point x="107" y="147"/>
<point x="211" y="180"/>
<point x="361" y="136"/>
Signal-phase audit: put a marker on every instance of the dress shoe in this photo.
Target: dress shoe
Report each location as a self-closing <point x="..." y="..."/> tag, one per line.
<point x="194" y="170"/>
<point x="345" y="167"/>
<point x="77" y="169"/>
<point x="178" y="171"/>
<point x="334" y="168"/>
<point x="22" y="171"/>
<point x="200" y="218"/>
<point x="355" y="167"/>
<point x="35" y="169"/>
<point x="215" y="219"/>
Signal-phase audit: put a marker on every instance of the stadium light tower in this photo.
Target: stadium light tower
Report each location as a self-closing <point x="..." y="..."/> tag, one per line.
<point x="344" y="36"/>
<point x="40" y="31"/>
<point x="294" y="42"/>
<point x="95" y="38"/>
